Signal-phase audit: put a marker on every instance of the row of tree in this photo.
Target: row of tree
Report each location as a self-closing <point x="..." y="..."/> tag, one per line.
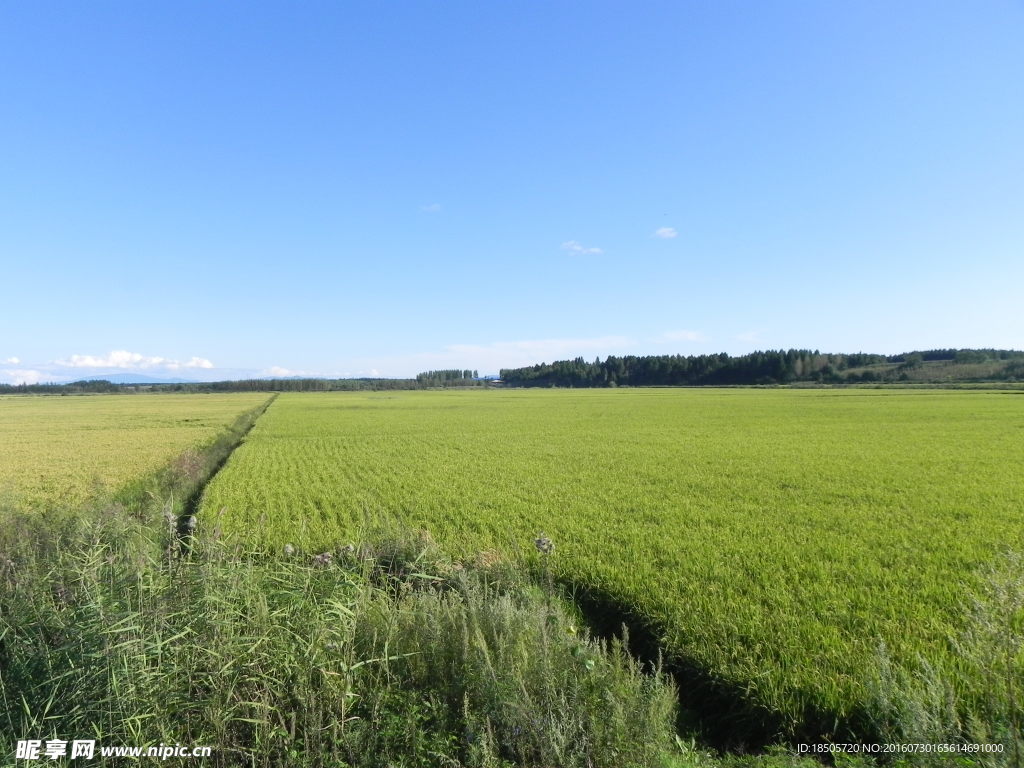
<point x="449" y="377"/>
<point x="246" y="385"/>
<point x="767" y="367"/>
<point x="428" y="379"/>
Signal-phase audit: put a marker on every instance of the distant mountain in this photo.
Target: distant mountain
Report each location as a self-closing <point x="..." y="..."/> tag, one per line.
<point x="135" y="378"/>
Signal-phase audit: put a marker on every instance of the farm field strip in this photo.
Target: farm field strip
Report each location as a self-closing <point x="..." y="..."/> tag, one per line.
<point x="61" y="452"/>
<point x="773" y="537"/>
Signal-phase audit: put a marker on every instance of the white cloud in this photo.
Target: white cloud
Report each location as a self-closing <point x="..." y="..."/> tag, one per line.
<point x="277" y="370"/>
<point x="12" y="361"/>
<point x="683" y="336"/>
<point x="17" y="376"/>
<point x="572" y="246"/>
<point x="432" y="208"/>
<point x="752" y="337"/>
<point x="665" y="233"/>
<point x="121" y="358"/>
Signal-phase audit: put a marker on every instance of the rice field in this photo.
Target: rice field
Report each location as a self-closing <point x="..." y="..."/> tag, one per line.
<point x="61" y="452"/>
<point x="774" y="538"/>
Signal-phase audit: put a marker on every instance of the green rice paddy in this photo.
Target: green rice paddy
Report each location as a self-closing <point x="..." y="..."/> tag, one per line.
<point x="62" y="452"/>
<point x="774" y="539"/>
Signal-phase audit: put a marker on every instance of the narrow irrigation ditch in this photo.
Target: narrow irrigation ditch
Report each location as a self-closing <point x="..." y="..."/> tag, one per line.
<point x="201" y="468"/>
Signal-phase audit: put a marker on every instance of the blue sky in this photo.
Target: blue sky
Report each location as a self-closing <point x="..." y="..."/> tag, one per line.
<point x="211" y="190"/>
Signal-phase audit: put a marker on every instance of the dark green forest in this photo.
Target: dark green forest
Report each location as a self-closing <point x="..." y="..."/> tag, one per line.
<point x="774" y="367"/>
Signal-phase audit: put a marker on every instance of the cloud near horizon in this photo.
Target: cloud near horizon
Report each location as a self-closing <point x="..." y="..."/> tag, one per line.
<point x="277" y="370"/>
<point x="77" y="367"/>
<point x="18" y="376"/>
<point x="123" y="359"/>
<point x="665" y="233"/>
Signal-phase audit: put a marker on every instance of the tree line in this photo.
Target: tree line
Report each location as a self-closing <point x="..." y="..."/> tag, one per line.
<point x="245" y="385"/>
<point x="449" y="377"/>
<point x="766" y="367"/>
<point x="425" y="380"/>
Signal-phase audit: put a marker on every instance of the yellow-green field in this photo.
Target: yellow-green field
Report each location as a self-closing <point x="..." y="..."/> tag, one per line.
<point x="774" y="539"/>
<point x="60" y="452"/>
